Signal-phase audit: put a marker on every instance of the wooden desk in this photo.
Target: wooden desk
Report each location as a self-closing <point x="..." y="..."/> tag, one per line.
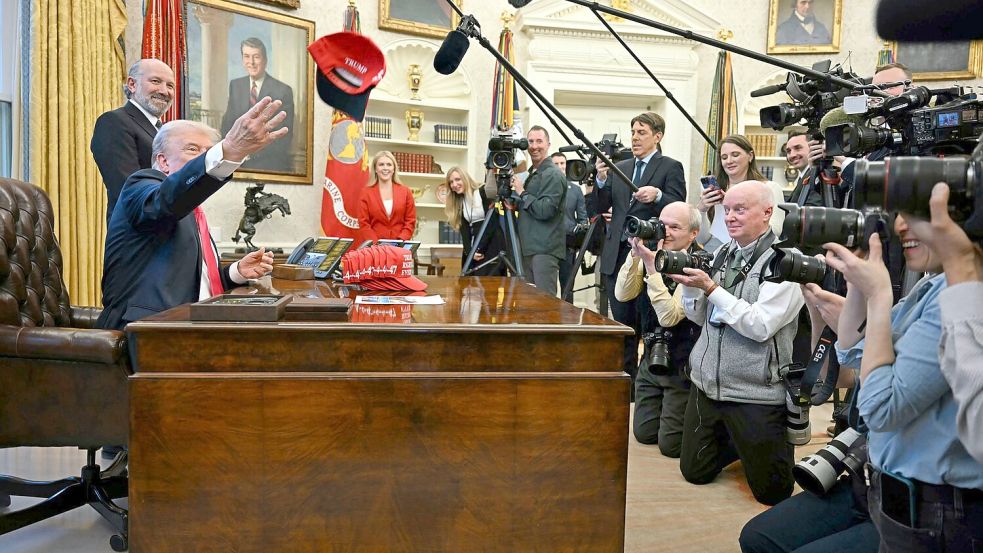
<point x="495" y="422"/>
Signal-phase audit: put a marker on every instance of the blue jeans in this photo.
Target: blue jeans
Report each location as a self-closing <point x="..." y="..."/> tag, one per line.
<point x="807" y="523"/>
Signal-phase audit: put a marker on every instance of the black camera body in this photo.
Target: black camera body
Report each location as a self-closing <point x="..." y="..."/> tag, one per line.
<point x="579" y="170"/>
<point x="501" y="159"/>
<point x="651" y="231"/>
<point x="656" y="351"/>
<point x="668" y="262"/>
<point x="813" y="98"/>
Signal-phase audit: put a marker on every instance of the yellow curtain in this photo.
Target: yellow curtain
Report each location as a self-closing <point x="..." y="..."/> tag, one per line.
<point x="77" y="70"/>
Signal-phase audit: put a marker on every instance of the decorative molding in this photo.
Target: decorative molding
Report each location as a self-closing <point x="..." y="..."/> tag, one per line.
<point x="560" y="17"/>
<point x="403" y="53"/>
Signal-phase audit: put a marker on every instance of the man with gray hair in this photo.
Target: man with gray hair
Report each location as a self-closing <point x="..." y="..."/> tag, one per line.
<point x="662" y="384"/>
<point x="244" y="92"/>
<point x="159" y="253"/>
<point x="122" y="138"/>
<point x="736" y="407"/>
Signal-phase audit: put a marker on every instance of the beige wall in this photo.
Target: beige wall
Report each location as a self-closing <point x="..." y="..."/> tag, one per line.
<point x="747" y="19"/>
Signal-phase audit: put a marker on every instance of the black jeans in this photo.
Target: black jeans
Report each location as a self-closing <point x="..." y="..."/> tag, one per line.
<point x="950" y="526"/>
<point x="660" y="406"/>
<point x="717" y="433"/>
<point x="807" y="523"/>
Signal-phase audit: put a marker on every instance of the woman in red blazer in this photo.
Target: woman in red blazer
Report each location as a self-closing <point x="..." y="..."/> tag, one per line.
<point x="387" y="209"/>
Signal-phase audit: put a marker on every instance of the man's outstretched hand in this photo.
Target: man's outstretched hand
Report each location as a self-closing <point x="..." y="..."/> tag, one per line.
<point x="254" y="130"/>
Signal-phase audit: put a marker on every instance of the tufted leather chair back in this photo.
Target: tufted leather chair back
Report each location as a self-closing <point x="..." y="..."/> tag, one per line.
<point x="32" y="291"/>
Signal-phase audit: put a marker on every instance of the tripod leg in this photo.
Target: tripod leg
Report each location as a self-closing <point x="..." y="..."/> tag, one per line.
<point x="568" y="285"/>
<point x="475" y="240"/>
<point x="513" y="241"/>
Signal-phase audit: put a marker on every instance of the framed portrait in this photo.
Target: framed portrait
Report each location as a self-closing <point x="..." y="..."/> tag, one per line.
<point x="804" y="26"/>
<point x="432" y="18"/>
<point x="935" y="61"/>
<point x="239" y="54"/>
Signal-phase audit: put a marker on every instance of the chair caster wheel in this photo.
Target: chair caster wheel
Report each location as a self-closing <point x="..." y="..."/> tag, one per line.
<point x="119" y="543"/>
<point x="4" y="500"/>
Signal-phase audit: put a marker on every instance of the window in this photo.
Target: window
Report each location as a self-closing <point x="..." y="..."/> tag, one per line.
<point x="9" y="68"/>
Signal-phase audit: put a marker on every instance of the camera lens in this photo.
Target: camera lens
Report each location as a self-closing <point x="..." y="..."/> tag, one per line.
<point x="789" y="266"/>
<point x="577" y="170"/>
<point x="783" y="115"/>
<point x="672" y="263"/>
<point x="501" y="160"/>
<point x="653" y="229"/>
<point x="905" y="184"/>
<point x="815" y="226"/>
<point x="851" y="139"/>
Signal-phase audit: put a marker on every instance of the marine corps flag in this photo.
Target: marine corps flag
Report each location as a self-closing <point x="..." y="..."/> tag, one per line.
<point x="347" y="170"/>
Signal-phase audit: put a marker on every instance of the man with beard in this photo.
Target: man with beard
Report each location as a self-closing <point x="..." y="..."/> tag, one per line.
<point x="123" y="138"/>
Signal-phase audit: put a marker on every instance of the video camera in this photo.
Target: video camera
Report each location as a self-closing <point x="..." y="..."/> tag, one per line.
<point x="813" y="98"/>
<point x="579" y="170"/>
<point x="501" y="159"/>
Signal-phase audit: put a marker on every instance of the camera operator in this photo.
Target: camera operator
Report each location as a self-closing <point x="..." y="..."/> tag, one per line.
<point x="660" y="182"/>
<point x="926" y="491"/>
<point x="574" y="213"/>
<point x="540" y="221"/>
<point x="736" y="407"/>
<point x="962" y="318"/>
<point x="661" y="393"/>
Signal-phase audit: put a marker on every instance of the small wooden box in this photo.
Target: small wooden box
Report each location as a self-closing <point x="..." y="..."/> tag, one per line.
<point x="318" y="309"/>
<point x="241" y="308"/>
<point x="290" y="271"/>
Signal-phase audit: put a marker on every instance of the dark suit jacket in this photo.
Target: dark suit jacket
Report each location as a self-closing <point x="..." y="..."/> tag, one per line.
<point x="121" y="144"/>
<point x="374" y="224"/>
<point x="661" y="172"/>
<point x="153" y="251"/>
<point x="276" y="156"/>
<point x="791" y="32"/>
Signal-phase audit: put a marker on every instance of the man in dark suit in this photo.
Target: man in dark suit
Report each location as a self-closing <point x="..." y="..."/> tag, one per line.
<point x="802" y="27"/>
<point x="660" y="182"/>
<point x="244" y="92"/>
<point x="122" y="139"/>
<point x="540" y="221"/>
<point x="158" y="250"/>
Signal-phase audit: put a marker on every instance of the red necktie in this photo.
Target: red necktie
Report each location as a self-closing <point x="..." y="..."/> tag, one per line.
<point x="253" y="93"/>
<point x="208" y="252"/>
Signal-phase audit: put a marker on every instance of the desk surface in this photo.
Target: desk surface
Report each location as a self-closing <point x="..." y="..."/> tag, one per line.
<point x="495" y="317"/>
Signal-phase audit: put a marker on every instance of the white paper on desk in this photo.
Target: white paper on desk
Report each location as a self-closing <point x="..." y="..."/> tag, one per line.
<point x="399" y="300"/>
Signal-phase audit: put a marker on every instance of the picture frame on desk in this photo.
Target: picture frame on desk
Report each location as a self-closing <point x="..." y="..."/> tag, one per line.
<point x="816" y="33"/>
<point x="225" y="42"/>
<point x="432" y="18"/>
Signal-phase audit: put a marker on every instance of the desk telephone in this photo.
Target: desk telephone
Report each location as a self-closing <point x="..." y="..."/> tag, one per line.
<point x="323" y="254"/>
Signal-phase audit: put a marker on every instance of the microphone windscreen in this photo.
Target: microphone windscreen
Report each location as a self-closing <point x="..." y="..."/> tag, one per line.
<point x="929" y="20"/>
<point x="837" y="116"/>
<point x="451" y="52"/>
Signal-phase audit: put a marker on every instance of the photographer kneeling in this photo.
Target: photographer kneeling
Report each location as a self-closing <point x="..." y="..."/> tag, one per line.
<point x="736" y="408"/>
<point x="662" y="384"/>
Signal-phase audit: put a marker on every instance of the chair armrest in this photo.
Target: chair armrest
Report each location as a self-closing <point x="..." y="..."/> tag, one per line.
<point x="64" y="344"/>
<point x="84" y="317"/>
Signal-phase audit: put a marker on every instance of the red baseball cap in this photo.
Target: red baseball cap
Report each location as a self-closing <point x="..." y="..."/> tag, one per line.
<point x="349" y="66"/>
<point x="382" y="268"/>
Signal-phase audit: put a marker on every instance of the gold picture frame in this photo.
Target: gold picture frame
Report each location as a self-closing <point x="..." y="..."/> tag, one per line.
<point x="786" y="35"/>
<point x="923" y="59"/>
<point x="217" y="92"/>
<point x="288" y="4"/>
<point x="432" y="18"/>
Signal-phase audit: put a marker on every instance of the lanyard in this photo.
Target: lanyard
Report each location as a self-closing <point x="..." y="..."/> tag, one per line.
<point x="763" y="244"/>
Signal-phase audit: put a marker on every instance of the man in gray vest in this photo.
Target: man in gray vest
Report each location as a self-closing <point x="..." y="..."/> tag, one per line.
<point x="736" y="408"/>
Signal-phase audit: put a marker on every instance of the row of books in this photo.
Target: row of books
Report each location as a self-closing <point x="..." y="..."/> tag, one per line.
<point x="377" y="127"/>
<point x="767" y="171"/>
<point x="414" y="163"/>
<point x="764" y="144"/>
<point x="450" y="134"/>
<point x="447" y="234"/>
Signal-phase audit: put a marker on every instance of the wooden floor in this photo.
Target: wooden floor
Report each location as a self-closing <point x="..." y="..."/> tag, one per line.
<point x="664" y="513"/>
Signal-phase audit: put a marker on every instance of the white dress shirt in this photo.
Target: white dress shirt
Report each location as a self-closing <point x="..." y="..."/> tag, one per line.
<point x="220" y="168"/>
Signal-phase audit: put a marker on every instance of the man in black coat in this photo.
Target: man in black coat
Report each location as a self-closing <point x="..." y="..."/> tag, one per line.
<point x="660" y="182"/>
<point x="122" y="139"/>
<point x="244" y="92"/>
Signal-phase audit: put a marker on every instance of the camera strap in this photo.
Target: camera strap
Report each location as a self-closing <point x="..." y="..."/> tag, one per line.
<point x="811" y="375"/>
<point x="764" y="243"/>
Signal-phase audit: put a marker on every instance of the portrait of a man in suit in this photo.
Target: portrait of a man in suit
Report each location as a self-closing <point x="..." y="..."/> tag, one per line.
<point x="802" y="26"/>
<point x="245" y="91"/>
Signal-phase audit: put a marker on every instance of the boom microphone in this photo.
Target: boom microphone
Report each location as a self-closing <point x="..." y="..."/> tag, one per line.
<point x="929" y="20"/>
<point x="451" y="52"/>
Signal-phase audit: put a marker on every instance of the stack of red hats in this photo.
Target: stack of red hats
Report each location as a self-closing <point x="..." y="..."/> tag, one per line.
<point x="381" y="268"/>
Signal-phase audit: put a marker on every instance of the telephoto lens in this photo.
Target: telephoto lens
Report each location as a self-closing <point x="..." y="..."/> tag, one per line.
<point x="669" y="262"/>
<point x="653" y="229"/>
<point x="791" y="266"/>
<point x="814" y="226"/>
<point x="818" y="472"/>
<point x="797" y="428"/>
<point x="905" y="184"/>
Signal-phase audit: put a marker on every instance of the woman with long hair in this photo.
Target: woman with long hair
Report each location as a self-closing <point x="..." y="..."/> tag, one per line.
<point x="387" y="209"/>
<point x="735" y="163"/>
<point x="466" y="209"/>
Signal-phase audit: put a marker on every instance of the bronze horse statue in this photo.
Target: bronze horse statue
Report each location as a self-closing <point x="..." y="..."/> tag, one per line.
<point x="259" y="205"/>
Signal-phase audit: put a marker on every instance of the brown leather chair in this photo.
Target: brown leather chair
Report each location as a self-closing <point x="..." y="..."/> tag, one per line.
<point x="62" y="382"/>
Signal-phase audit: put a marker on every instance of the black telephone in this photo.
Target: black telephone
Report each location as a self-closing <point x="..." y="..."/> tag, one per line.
<point x="323" y="254"/>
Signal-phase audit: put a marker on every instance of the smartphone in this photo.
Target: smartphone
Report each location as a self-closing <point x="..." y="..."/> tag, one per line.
<point x="898" y="498"/>
<point x="709" y="181"/>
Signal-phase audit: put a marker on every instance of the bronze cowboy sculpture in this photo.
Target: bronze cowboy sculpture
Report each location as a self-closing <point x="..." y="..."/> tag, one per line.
<point x="259" y="205"/>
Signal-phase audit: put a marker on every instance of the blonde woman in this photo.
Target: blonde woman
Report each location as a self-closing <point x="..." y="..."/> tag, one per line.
<point x="735" y="163"/>
<point x="387" y="209"/>
<point x="466" y="208"/>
